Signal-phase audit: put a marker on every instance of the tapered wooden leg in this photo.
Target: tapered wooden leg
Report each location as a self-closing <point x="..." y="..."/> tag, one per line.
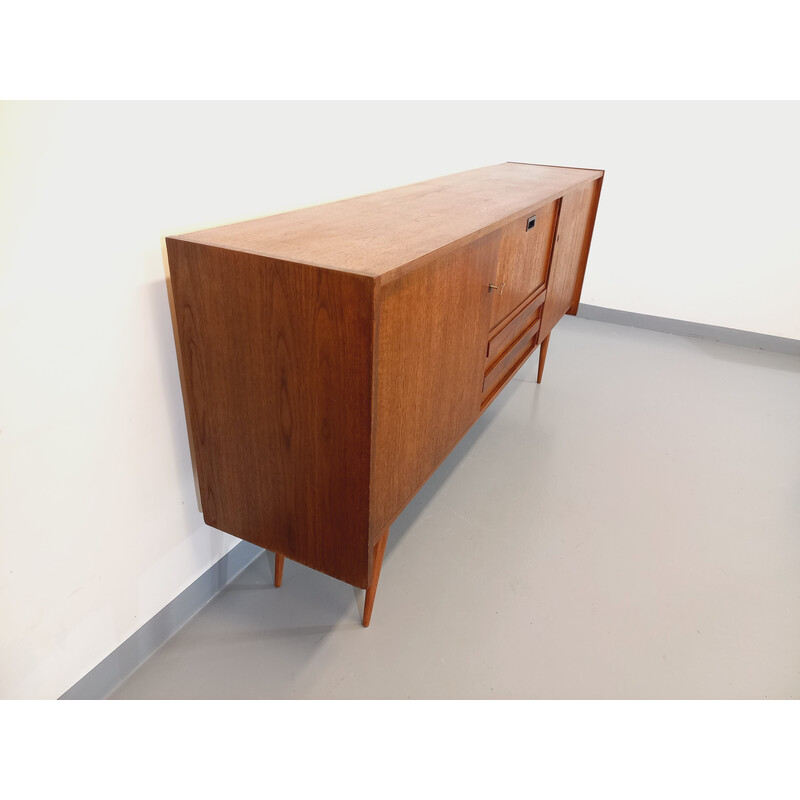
<point x="278" y="569"/>
<point x="377" y="560"/>
<point x="542" y="356"/>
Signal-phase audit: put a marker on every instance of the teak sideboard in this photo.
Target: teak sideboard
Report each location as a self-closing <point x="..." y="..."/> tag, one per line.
<point x="332" y="357"/>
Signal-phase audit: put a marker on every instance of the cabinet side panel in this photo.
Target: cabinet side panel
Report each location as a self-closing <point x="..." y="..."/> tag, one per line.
<point x="277" y="362"/>
<point x="570" y="252"/>
<point x="433" y="329"/>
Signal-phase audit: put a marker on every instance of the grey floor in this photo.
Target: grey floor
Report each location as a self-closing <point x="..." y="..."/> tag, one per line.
<point x="628" y="529"/>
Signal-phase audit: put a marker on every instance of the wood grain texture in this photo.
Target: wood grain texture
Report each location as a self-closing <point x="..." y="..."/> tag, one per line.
<point x="502" y="338"/>
<point x="523" y="261"/>
<point x="507" y="376"/>
<point x="511" y="360"/>
<point x="569" y="251"/>
<point x="277" y="359"/>
<point x="587" y="241"/>
<point x="378" y="233"/>
<point x="434" y="325"/>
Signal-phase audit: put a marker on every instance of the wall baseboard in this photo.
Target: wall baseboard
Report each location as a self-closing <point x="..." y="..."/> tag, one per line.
<point x="756" y="341"/>
<point x="117" y="666"/>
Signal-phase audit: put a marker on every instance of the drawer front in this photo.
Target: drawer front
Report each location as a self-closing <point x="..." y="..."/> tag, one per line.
<point x="508" y="333"/>
<point x="497" y="374"/>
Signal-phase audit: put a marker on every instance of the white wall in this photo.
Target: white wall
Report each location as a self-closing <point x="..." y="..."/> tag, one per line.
<point x="99" y="527"/>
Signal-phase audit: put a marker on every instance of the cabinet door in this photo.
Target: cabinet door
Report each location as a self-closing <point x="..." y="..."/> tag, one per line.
<point x="570" y="251"/>
<point x="433" y="327"/>
<point x="522" y="262"/>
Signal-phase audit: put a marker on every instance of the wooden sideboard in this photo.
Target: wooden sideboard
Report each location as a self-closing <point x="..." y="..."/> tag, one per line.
<point x="332" y="357"/>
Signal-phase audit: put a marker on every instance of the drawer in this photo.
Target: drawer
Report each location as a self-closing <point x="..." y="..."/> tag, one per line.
<point x="508" y="363"/>
<point x="501" y="339"/>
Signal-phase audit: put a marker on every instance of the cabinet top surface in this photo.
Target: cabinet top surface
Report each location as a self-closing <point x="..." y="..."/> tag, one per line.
<point x="376" y="233"/>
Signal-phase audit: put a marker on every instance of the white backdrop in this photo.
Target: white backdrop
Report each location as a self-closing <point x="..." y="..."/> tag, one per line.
<point x="99" y="527"/>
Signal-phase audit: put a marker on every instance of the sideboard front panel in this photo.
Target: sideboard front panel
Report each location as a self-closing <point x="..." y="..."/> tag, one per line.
<point x="277" y="370"/>
<point x="433" y="328"/>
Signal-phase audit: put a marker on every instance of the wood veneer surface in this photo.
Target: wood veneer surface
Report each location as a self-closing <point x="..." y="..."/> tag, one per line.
<point x="523" y="260"/>
<point x="377" y="233"/>
<point x="277" y="362"/>
<point x="569" y="252"/>
<point x="433" y="323"/>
